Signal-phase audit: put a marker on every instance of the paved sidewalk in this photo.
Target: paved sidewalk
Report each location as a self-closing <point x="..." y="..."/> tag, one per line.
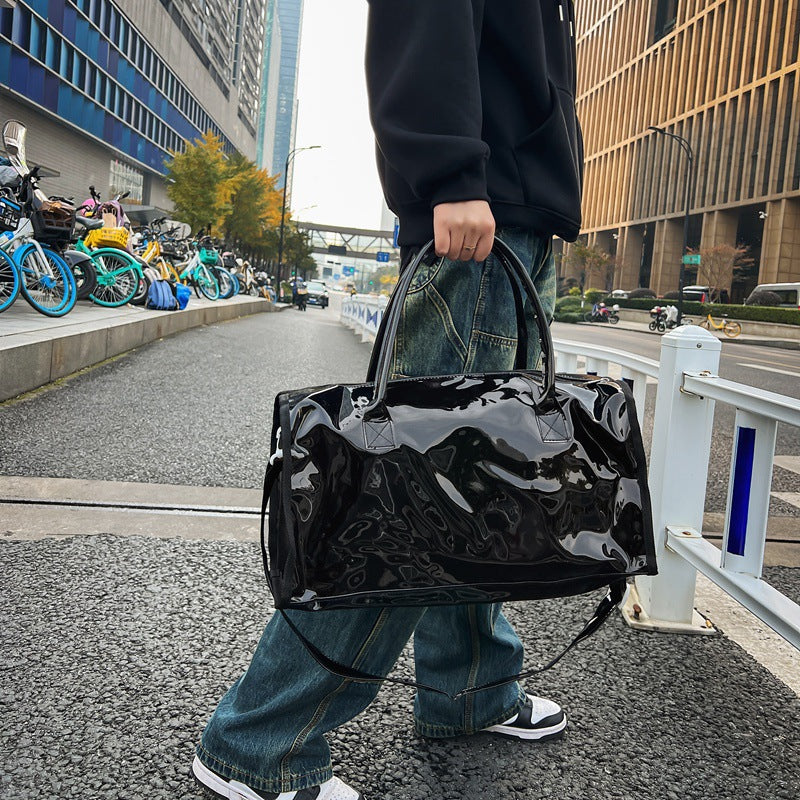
<point x="119" y="648"/>
<point x="743" y="338"/>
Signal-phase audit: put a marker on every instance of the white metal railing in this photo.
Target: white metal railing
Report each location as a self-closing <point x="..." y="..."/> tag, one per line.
<point x="687" y="387"/>
<point x="363" y="315"/>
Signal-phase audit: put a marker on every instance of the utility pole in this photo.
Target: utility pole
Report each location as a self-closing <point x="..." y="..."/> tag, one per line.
<point x="687" y="148"/>
<point x="289" y="158"/>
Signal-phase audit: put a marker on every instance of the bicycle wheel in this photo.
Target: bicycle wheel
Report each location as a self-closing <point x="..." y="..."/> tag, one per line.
<point x="206" y="283"/>
<point x="85" y="278"/>
<point x="588" y="316"/>
<point x="9" y="281"/>
<point x="732" y="329"/>
<point x="226" y="283"/>
<point x="46" y="283"/>
<point x="612" y="318"/>
<point x="140" y="295"/>
<point x="168" y="272"/>
<point x="117" y="278"/>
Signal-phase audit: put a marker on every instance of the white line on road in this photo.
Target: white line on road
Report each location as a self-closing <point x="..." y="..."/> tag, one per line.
<point x="792" y="498"/>
<point x="792" y="463"/>
<point x="793" y="374"/>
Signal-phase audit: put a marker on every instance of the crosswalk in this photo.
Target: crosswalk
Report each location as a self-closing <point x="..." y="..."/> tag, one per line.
<point x="792" y="464"/>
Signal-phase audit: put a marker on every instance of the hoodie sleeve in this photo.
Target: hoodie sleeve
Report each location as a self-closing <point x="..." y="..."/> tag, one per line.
<point x="424" y="94"/>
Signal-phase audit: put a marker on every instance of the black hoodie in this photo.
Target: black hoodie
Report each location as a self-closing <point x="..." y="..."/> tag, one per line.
<point x="475" y="100"/>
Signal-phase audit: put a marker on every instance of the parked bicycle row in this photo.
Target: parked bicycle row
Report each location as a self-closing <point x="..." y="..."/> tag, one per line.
<point x="54" y="252"/>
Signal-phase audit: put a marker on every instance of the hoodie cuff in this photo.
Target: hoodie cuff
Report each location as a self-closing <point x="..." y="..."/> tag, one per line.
<point x="467" y="184"/>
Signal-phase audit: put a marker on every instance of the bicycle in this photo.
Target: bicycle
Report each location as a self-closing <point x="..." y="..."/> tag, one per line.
<point x="196" y="272"/>
<point x="730" y="327"/>
<point x="43" y="277"/>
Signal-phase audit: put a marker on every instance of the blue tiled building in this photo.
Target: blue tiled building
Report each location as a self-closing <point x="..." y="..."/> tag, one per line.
<point x="131" y="85"/>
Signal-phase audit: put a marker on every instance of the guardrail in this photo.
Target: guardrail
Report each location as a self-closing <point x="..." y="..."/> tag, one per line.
<point x="687" y="389"/>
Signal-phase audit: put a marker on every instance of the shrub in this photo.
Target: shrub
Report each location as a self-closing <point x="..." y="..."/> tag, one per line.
<point x="568" y="303"/>
<point x="763" y="298"/>
<point x="638" y="293"/>
<point x="569" y="317"/>
<point x="671" y="295"/>
<point x="784" y="316"/>
<point x="594" y="296"/>
<point x="575" y="291"/>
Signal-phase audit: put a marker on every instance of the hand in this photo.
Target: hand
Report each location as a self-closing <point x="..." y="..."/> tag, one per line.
<point x="463" y="231"/>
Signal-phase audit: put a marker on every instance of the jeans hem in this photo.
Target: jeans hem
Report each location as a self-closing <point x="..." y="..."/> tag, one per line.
<point x="430" y="731"/>
<point x="296" y="782"/>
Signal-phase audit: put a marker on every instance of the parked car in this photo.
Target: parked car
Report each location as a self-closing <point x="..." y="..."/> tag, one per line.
<point x="702" y="294"/>
<point x="317" y="294"/>
<point x="620" y="294"/>
<point x="789" y="293"/>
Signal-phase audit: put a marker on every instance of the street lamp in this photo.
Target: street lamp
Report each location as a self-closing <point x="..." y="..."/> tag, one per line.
<point x="289" y="158"/>
<point x="687" y="148"/>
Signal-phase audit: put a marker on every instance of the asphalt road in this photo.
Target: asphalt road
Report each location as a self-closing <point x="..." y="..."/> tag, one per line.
<point x="196" y="408"/>
<point x="114" y="649"/>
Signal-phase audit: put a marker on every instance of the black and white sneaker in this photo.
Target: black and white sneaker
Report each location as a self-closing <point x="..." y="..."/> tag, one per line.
<point x="334" y="789"/>
<point x="538" y="719"/>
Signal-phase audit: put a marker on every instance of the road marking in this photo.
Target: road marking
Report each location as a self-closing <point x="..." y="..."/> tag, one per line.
<point x="792" y="463"/>
<point x="770" y="369"/>
<point x="792" y="498"/>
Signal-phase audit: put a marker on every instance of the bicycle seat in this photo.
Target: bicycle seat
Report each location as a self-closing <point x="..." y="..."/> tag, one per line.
<point x="89" y="224"/>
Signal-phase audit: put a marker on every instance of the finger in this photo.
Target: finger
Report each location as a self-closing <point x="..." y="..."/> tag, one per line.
<point x="456" y="251"/>
<point x="485" y="244"/>
<point x="441" y="235"/>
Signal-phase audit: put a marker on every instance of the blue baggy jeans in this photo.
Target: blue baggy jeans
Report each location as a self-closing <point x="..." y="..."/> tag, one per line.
<point x="268" y="731"/>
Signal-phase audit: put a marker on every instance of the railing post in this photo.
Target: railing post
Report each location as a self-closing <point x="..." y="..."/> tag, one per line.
<point x="748" y="493"/>
<point x="678" y="474"/>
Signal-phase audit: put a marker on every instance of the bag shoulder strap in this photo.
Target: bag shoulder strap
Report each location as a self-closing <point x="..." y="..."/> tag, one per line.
<point x="602" y="612"/>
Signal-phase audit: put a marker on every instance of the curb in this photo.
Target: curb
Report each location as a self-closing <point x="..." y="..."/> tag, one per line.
<point x="31" y="360"/>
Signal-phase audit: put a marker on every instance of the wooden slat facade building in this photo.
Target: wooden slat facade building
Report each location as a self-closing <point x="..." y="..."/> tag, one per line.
<point x="724" y="75"/>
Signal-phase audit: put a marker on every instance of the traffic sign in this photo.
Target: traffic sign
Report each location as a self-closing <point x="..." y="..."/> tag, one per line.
<point x="694" y="259"/>
<point x="337" y="276"/>
<point x="383" y="257"/>
<point x="349" y="270"/>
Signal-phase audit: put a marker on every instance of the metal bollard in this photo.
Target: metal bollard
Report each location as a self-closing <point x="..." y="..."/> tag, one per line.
<point x="678" y="475"/>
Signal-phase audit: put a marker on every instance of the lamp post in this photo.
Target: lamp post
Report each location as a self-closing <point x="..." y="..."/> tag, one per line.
<point x="687" y="148"/>
<point x="289" y="158"/>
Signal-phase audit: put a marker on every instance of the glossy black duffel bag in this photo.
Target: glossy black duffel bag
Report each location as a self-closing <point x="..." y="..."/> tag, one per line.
<point x="452" y="489"/>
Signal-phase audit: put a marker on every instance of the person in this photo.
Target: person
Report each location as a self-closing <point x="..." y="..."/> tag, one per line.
<point x="472" y="103"/>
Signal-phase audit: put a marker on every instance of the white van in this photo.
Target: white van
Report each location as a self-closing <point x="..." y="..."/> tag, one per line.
<point x="789" y="293"/>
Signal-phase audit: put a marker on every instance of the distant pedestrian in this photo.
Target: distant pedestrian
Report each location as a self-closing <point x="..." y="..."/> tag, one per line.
<point x="472" y="102"/>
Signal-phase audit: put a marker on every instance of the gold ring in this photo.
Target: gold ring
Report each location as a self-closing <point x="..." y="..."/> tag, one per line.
<point x="470" y="247"/>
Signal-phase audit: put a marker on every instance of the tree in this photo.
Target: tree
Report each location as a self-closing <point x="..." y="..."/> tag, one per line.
<point x="252" y="205"/>
<point x="719" y="264"/>
<point x="297" y="251"/>
<point x="595" y="265"/>
<point x="196" y="182"/>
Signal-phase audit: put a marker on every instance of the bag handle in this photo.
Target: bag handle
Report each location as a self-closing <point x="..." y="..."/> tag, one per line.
<point x="383" y="353"/>
<point x="602" y="612"/>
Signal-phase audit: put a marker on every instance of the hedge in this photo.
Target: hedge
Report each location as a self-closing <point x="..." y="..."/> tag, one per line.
<point x="567" y="316"/>
<point x="568" y="303"/>
<point x="785" y="316"/>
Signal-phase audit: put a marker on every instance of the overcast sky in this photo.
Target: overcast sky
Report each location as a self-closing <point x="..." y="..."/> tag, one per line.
<point x="340" y="179"/>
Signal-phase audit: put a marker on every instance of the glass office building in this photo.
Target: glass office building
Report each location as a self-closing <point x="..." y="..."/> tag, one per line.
<point x="88" y="68"/>
<point x="290" y="13"/>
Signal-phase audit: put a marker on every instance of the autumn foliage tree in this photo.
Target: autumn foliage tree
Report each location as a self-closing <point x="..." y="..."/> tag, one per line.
<point x="595" y="265"/>
<point x="196" y="178"/>
<point x="719" y="264"/>
<point x="232" y="196"/>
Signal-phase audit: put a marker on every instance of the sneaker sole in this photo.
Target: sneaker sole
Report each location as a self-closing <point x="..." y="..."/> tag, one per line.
<point x="532" y="734"/>
<point x="230" y="790"/>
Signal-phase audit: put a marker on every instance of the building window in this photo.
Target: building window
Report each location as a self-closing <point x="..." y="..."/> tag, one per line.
<point x="124" y="178"/>
<point x="666" y="17"/>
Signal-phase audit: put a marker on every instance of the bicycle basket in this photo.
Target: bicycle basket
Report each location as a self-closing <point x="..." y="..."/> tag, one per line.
<point x="208" y="257"/>
<point x="108" y="237"/>
<point x="53" y="222"/>
<point x="10" y="214"/>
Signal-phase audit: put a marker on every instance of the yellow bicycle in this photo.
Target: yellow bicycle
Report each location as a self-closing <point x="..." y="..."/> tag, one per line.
<point x="729" y="327"/>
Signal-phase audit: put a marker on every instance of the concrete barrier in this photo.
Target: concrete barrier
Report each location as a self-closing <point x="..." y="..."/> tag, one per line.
<point x="44" y="351"/>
